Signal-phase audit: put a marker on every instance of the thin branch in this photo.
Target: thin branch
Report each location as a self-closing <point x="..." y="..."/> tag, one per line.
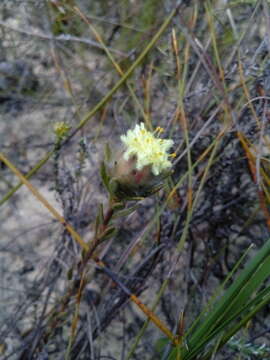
<point x="62" y="37"/>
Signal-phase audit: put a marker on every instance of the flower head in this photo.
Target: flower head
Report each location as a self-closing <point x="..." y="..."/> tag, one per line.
<point x="149" y="150"/>
<point x="61" y="129"/>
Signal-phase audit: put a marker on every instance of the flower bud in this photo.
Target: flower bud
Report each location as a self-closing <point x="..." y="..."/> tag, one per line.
<point x="61" y="129"/>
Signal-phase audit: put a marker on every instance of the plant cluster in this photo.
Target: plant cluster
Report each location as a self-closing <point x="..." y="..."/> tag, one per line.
<point x="134" y="180"/>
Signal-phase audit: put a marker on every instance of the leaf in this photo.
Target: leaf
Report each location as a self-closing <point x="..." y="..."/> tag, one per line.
<point x="118" y="206"/>
<point x="113" y="188"/>
<point x="231" y="311"/>
<point x="70" y="274"/>
<point x="107" y="153"/>
<point x="104" y="176"/>
<point x="108" y="233"/>
<point x="125" y="212"/>
<point x="99" y="218"/>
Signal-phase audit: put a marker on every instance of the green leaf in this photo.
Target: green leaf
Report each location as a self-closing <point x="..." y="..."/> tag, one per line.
<point x="99" y="219"/>
<point x="118" y="206"/>
<point x="108" y="233"/>
<point x="104" y="176"/>
<point x="113" y="187"/>
<point x="107" y="153"/>
<point x="125" y="212"/>
<point x="70" y="274"/>
<point x="231" y="311"/>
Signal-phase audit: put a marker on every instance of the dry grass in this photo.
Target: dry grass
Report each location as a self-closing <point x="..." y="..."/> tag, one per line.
<point x="201" y="71"/>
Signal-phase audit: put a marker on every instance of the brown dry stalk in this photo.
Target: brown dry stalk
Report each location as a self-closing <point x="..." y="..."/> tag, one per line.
<point x="252" y="167"/>
<point x="44" y="201"/>
<point x="90" y="250"/>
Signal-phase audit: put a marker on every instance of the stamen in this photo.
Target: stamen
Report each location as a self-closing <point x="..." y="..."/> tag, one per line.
<point x="159" y="130"/>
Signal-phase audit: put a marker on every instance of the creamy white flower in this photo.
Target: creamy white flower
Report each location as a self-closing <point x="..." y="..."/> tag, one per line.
<point x="148" y="149"/>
